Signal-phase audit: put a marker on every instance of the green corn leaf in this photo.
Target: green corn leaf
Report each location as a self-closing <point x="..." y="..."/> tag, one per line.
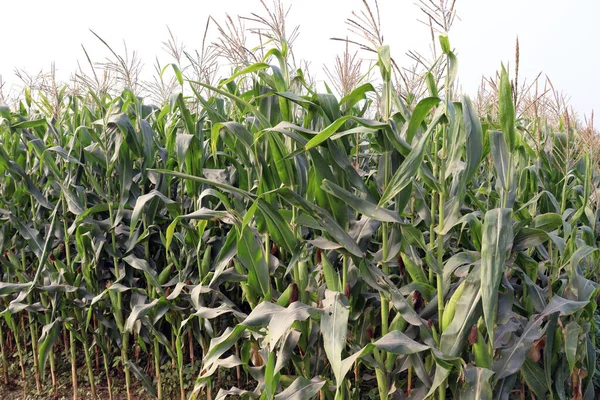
<point x="580" y="254"/>
<point x="511" y="359"/>
<point x="278" y="228"/>
<point x="261" y="316"/>
<point x="440" y="377"/>
<point x="474" y="139"/>
<point x="477" y="384"/>
<point x="329" y="105"/>
<point x="534" y="378"/>
<point x="176" y="70"/>
<point x="528" y="238"/>
<point x="398" y="343"/>
<point x="137" y="312"/>
<point x="271" y="379"/>
<point x="143" y="377"/>
<point x="244" y="71"/>
<point x="364" y="207"/>
<point x="467" y="312"/>
<point x="30" y="124"/>
<point x="356" y="95"/>
<point x="507" y="110"/>
<point x="409" y="167"/>
<point x="142" y="265"/>
<point x="222" y="394"/>
<point x="214" y="183"/>
<point x="419" y="114"/>
<point x="326" y="133"/>
<point x="141" y="203"/>
<point x="252" y="256"/>
<point x="264" y="122"/>
<point x="282" y="164"/>
<point x="7" y="288"/>
<point x="324" y="219"/>
<point x="239" y="134"/>
<point x="385" y="62"/>
<point x="334" y="328"/>
<point x="501" y="157"/>
<point x="50" y="333"/>
<point x="549" y="350"/>
<point x="562" y="306"/>
<point x="284" y="319"/>
<point x="571" y="343"/>
<point x="301" y="389"/>
<point x="375" y="278"/>
<point x="496" y="246"/>
<point x="31" y="235"/>
<point x="547" y="222"/>
<point x="73" y="203"/>
<point x="332" y="278"/>
<point x="307" y="104"/>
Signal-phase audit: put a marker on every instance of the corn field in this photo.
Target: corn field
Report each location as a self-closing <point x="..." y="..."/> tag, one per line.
<point x="256" y="238"/>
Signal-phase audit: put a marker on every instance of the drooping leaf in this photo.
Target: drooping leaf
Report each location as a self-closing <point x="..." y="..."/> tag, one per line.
<point x="398" y="343"/>
<point x="511" y="359"/>
<point x="324" y="219"/>
<point x="47" y="339"/>
<point x="141" y="203"/>
<point x="528" y="238"/>
<point x="143" y="377"/>
<point x="477" y="384"/>
<point x="547" y="222"/>
<point x="137" y="312"/>
<point x="301" y="389"/>
<point x="418" y="115"/>
<point x="278" y="326"/>
<point x="142" y="265"/>
<point x="362" y="206"/>
<point x="334" y="328"/>
<point x="534" y="377"/>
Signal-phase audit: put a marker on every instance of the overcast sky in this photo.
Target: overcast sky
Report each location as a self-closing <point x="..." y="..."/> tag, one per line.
<point x="557" y="37"/>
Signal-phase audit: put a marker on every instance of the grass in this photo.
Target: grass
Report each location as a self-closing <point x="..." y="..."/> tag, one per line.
<point x="256" y="237"/>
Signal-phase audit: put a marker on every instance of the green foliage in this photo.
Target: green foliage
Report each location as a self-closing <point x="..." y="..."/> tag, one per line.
<point x="269" y="241"/>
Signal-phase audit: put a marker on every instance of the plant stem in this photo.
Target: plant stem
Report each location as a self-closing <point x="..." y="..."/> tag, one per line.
<point x="73" y="362"/>
<point x="440" y="260"/>
<point x="178" y="346"/>
<point x="20" y="353"/>
<point x="119" y="311"/>
<point x="442" y="201"/>
<point x="4" y="360"/>
<point x="107" y="372"/>
<point x="382" y="381"/>
<point x="88" y="362"/>
<point x="34" y="349"/>
<point x="157" y="369"/>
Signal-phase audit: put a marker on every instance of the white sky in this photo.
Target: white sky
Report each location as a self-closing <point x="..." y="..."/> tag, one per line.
<point x="556" y="37"/>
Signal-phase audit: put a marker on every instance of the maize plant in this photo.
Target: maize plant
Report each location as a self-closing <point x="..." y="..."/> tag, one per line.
<point x="258" y="238"/>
